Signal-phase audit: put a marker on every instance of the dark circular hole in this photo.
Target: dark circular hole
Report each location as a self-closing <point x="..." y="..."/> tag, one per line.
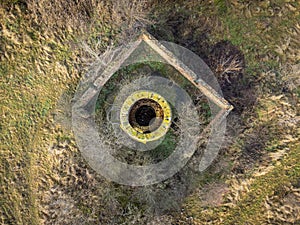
<point x="144" y="115"/>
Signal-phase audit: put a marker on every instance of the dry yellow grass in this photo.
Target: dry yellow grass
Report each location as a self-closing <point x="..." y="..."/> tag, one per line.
<point x="44" y="180"/>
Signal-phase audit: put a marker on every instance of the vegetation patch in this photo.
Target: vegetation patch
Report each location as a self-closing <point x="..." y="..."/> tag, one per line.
<point x="251" y="46"/>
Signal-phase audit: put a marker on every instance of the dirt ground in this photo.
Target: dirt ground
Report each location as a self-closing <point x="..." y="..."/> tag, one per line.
<point x="253" y="48"/>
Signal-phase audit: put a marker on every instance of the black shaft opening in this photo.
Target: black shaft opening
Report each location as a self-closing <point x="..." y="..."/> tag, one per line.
<point x="144" y="115"/>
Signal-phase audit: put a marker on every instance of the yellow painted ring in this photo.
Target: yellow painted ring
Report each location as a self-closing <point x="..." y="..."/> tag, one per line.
<point x="135" y="133"/>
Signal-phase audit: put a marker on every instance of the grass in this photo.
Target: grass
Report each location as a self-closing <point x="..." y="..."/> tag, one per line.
<point x="244" y="29"/>
<point x="31" y="83"/>
<point x="257" y="33"/>
<point x="251" y="208"/>
<point x="165" y="148"/>
<point x="39" y="63"/>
